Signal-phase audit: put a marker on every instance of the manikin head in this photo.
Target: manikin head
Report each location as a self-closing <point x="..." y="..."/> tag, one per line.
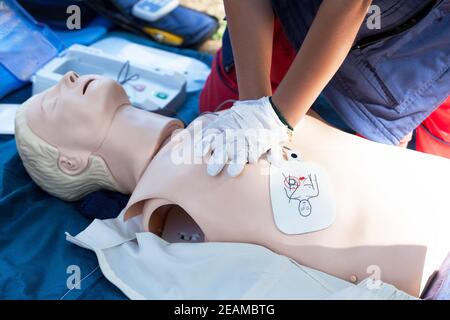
<point x="305" y="208"/>
<point x="61" y="135"/>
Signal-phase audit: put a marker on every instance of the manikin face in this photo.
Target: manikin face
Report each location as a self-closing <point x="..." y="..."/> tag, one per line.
<point x="74" y="116"/>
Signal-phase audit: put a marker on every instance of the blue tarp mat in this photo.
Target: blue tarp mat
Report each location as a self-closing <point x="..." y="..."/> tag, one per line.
<point x="34" y="255"/>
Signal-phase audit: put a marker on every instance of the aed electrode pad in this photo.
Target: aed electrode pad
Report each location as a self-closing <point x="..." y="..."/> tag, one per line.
<point x="301" y="196"/>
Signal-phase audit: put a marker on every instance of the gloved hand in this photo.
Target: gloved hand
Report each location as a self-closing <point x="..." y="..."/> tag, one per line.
<point x="242" y="135"/>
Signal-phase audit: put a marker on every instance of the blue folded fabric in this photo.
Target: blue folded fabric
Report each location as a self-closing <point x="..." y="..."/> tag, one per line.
<point x="9" y="82"/>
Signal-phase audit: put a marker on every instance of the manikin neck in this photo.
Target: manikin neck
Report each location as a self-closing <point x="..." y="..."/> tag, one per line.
<point x="135" y="136"/>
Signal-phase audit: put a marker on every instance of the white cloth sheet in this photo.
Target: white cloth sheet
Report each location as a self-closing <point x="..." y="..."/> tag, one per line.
<point x="145" y="266"/>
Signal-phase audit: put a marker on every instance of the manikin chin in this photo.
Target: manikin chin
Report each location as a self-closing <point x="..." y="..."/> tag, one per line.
<point x="390" y="209"/>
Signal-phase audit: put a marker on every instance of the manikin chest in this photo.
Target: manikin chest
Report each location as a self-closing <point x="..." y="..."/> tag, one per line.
<point x="266" y="204"/>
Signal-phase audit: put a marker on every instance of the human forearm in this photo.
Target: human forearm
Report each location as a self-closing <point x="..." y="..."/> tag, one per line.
<point x="250" y="23"/>
<point x="322" y="53"/>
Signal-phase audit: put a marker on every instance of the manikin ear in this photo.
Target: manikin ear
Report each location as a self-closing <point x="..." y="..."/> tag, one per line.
<point x="72" y="164"/>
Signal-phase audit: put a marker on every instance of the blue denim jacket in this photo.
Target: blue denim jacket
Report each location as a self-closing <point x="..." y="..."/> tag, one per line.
<point x="394" y="77"/>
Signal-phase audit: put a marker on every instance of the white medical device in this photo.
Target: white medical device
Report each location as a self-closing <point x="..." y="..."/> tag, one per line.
<point x="149" y="87"/>
<point x="195" y="71"/>
<point x="152" y="10"/>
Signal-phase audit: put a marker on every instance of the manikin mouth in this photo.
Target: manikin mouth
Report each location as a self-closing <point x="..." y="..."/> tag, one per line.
<point x="86" y="85"/>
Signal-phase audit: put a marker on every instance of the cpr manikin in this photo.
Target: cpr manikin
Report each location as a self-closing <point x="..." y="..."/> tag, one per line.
<point x="386" y="210"/>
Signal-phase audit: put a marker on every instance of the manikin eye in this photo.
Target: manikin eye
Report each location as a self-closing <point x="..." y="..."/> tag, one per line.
<point x="87" y="85"/>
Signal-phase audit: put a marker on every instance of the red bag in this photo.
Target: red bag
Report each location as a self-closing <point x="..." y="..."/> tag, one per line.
<point x="433" y="135"/>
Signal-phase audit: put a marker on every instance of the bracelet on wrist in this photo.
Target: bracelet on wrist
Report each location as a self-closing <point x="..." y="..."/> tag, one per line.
<point x="280" y="115"/>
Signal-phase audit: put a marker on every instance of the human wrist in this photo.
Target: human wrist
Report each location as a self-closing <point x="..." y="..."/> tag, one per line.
<point x="280" y="114"/>
<point x="254" y="91"/>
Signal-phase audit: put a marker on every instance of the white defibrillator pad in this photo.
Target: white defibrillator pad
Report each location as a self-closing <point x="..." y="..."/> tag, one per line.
<point x="301" y="196"/>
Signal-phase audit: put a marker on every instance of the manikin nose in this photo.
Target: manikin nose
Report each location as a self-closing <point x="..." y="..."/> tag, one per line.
<point x="71" y="77"/>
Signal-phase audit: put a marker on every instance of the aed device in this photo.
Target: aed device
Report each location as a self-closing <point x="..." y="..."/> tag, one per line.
<point x="195" y="71"/>
<point x="150" y="88"/>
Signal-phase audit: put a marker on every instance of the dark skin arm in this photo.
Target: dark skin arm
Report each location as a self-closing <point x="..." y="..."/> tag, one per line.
<point x="324" y="50"/>
<point x="250" y="24"/>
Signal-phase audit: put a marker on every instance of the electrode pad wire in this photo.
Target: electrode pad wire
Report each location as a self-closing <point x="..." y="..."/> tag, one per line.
<point x="124" y="74"/>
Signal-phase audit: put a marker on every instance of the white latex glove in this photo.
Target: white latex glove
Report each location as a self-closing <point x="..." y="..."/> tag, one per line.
<point x="242" y="135"/>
